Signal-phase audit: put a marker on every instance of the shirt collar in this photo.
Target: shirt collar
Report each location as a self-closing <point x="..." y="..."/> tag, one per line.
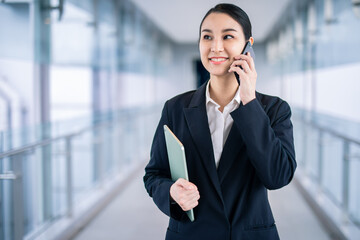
<point x="208" y="98"/>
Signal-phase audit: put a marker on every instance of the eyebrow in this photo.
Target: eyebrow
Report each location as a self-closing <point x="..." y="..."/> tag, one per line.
<point x="224" y="30"/>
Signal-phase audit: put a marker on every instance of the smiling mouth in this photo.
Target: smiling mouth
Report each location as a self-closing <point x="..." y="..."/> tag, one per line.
<point x="218" y="60"/>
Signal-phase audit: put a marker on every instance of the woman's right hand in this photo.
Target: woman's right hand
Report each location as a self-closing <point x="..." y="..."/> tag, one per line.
<point x="185" y="194"/>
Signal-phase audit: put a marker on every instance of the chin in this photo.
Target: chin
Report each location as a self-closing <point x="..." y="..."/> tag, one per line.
<point x="221" y="74"/>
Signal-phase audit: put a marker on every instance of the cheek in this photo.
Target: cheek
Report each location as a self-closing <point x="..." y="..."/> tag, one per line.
<point x="236" y="49"/>
<point x="204" y="52"/>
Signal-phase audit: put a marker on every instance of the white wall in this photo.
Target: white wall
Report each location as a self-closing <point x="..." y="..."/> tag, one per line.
<point x="333" y="91"/>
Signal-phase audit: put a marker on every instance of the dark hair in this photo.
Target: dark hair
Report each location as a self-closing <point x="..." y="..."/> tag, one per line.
<point x="236" y="13"/>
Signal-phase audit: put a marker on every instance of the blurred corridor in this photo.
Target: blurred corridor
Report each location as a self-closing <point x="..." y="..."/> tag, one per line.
<point x="83" y="83"/>
<point x="286" y="204"/>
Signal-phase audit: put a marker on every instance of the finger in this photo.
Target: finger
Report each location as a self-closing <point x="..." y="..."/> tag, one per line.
<point x="192" y="195"/>
<point x="183" y="192"/>
<point x="186" y="184"/>
<point x="243" y="64"/>
<point x="251" y="62"/>
<point x="182" y="182"/>
<point x="243" y="56"/>
<point x="193" y="204"/>
<point x="247" y="57"/>
<point x="239" y="71"/>
<point x="246" y="67"/>
<point x="190" y="205"/>
<point x="186" y="201"/>
<point x="236" y="63"/>
<point x="186" y="196"/>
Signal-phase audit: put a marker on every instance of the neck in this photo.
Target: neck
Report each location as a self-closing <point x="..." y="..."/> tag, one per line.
<point x="223" y="89"/>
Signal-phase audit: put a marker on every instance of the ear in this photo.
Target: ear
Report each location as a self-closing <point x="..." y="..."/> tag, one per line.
<point x="251" y="39"/>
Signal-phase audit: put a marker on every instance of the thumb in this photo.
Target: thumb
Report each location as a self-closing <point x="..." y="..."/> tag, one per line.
<point x="186" y="184"/>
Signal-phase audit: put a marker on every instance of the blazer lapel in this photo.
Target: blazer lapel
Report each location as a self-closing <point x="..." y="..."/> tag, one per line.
<point x="232" y="147"/>
<point x="197" y="121"/>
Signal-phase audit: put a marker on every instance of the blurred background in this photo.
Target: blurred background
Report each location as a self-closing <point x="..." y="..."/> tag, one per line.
<point x="82" y="85"/>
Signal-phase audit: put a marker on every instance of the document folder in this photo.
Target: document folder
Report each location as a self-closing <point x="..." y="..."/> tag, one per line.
<point x="177" y="160"/>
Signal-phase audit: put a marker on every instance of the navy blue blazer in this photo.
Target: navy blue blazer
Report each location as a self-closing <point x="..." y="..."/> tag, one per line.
<point x="258" y="155"/>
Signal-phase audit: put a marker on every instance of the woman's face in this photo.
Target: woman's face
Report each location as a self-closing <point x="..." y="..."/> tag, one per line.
<point x="221" y="39"/>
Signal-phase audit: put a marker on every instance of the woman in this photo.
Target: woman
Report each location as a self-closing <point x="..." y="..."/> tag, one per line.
<point x="238" y="143"/>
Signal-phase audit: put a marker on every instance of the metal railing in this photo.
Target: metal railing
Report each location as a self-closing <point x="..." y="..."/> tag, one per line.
<point x="332" y="160"/>
<point x="45" y="181"/>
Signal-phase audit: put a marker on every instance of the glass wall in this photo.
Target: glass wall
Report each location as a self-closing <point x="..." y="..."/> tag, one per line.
<point x="16" y="65"/>
<point x="89" y="58"/>
<point x="72" y="41"/>
<point x="313" y="63"/>
<point x="77" y="97"/>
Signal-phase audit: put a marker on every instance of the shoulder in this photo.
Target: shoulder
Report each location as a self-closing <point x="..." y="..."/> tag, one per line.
<point x="274" y="106"/>
<point x="269" y="101"/>
<point x="174" y="108"/>
<point x="181" y="100"/>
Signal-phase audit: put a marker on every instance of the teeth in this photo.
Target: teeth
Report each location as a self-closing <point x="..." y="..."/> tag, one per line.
<point x="218" y="59"/>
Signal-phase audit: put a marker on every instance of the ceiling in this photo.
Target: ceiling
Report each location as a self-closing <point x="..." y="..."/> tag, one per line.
<point x="180" y="19"/>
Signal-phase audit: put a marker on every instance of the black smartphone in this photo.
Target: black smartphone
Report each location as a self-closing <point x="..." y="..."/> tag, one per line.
<point x="247" y="48"/>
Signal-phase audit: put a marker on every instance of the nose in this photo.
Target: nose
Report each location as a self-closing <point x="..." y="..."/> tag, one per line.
<point x="217" y="46"/>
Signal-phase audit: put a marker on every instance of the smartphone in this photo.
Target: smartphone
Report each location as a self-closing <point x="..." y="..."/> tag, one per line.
<point x="247" y="48"/>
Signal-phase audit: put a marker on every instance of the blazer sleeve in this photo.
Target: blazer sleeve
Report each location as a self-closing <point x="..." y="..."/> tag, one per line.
<point x="157" y="177"/>
<point x="268" y="140"/>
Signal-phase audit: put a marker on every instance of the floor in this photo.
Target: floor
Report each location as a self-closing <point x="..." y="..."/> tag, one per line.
<point x="132" y="215"/>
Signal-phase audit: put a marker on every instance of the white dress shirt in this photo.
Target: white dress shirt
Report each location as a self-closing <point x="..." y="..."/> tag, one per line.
<point x="220" y="123"/>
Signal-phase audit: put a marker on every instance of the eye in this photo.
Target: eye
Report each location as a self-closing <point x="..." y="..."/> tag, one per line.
<point x="207" y="37"/>
<point x="228" y="37"/>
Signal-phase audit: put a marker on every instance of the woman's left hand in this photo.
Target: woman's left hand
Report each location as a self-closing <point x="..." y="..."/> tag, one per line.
<point x="247" y="75"/>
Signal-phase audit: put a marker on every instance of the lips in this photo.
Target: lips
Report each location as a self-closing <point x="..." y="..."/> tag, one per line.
<point x="218" y="60"/>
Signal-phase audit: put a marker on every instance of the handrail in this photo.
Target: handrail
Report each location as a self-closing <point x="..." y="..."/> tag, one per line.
<point x="109" y="129"/>
<point x="30" y="146"/>
<point x="49" y="140"/>
<point x="346" y="158"/>
<point x="330" y="131"/>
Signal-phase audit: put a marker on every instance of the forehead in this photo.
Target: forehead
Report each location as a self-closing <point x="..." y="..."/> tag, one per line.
<point x="219" y="21"/>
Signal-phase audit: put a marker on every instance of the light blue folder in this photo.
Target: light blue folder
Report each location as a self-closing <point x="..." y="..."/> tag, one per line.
<point x="177" y="160"/>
